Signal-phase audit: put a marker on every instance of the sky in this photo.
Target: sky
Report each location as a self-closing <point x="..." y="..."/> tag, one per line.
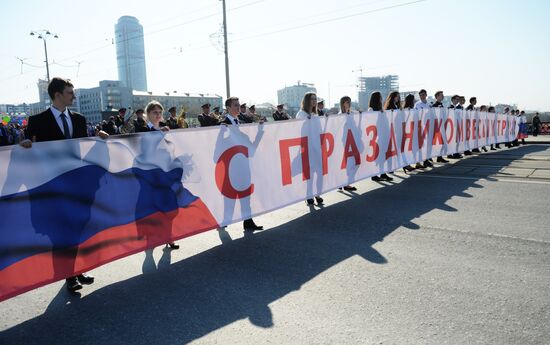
<point x="496" y="50"/>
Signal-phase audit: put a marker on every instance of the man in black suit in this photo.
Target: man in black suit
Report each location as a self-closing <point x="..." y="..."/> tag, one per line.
<point x="206" y="119"/>
<point x="232" y="118"/>
<point x="59" y="123"/>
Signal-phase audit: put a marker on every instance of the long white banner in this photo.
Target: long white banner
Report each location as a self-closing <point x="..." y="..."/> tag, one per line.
<point x="68" y="206"/>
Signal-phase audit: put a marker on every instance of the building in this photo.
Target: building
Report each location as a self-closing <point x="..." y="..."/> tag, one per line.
<point x="110" y="94"/>
<point x="130" y="53"/>
<point x="15" y="109"/>
<point x="291" y="96"/>
<point x="368" y="85"/>
<point x="43" y="97"/>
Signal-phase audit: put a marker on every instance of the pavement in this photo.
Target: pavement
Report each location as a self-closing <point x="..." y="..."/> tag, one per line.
<point x="458" y="254"/>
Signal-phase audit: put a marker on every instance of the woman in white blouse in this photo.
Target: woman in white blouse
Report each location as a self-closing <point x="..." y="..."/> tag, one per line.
<point x="309" y="109"/>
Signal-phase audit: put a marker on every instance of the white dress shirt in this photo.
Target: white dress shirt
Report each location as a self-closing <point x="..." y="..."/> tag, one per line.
<point x="302" y="114"/>
<point x="232" y="119"/>
<point x="422" y="105"/>
<point x="57" y="114"/>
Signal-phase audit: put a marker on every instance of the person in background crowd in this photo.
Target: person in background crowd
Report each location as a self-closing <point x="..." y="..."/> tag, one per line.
<point x="536" y="124"/>
<point x="59" y="123"/>
<point x="172" y="121"/>
<point x="231" y="118"/>
<point x="255" y="117"/>
<point x="408" y="104"/>
<point x="490" y="109"/>
<point x="439" y="104"/>
<point x="243" y="116"/>
<point x="420" y="105"/>
<point x="4" y="141"/>
<point x="345" y="108"/>
<point x="523" y="127"/>
<point x="423" y="102"/>
<point x="307" y="110"/>
<point x="154" y="112"/>
<point x="182" y="122"/>
<point x="140" y="123"/>
<point x="393" y="102"/>
<point x="119" y="119"/>
<point x="461" y="102"/>
<point x="110" y="127"/>
<point x="455" y="104"/>
<point x="321" y="111"/>
<point x="206" y="119"/>
<point x="280" y="114"/>
<point x="375" y="104"/>
<point x="472" y="107"/>
<point x="216" y="114"/>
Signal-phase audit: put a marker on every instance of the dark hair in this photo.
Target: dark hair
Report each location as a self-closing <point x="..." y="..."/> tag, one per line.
<point x="306" y="101"/>
<point x="230" y="100"/>
<point x="409" y="101"/>
<point x="437" y="93"/>
<point x="483" y="108"/>
<point x="422" y="91"/>
<point x="375" y="101"/>
<point x="344" y="100"/>
<point x="58" y="85"/>
<point x="491" y="109"/>
<point x="389" y="105"/>
<point x="473" y="99"/>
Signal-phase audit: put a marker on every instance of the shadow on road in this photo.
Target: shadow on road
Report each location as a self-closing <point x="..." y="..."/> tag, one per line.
<point x="240" y="278"/>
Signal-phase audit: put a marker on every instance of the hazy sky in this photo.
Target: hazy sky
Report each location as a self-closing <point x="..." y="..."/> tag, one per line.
<point x="496" y="50"/>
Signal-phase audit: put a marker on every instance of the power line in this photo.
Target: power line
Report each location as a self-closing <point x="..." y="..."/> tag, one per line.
<point x="328" y="20"/>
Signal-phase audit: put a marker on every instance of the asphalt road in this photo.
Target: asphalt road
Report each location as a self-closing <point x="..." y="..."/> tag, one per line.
<point x="456" y="255"/>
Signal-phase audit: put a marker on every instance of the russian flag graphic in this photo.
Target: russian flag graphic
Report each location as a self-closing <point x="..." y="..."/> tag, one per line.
<point x="73" y="205"/>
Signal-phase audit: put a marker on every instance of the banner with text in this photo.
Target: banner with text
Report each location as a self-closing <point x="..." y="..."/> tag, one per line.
<point x="69" y="206"/>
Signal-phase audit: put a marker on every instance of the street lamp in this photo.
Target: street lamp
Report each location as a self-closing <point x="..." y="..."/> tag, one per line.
<point x="43" y="35"/>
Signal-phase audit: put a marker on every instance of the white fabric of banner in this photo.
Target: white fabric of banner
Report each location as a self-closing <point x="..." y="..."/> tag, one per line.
<point x="246" y="170"/>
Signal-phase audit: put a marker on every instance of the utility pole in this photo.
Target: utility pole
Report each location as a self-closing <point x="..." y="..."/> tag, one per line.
<point x="227" y="87"/>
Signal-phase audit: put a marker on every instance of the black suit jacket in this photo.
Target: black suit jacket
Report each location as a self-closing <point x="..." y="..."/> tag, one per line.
<point x="43" y="127"/>
<point x="227" y="121"/>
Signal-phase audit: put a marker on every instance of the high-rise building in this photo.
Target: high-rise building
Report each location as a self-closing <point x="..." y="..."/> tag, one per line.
<point x="130" y="53"/>
<point x="110" y="94"/>
<point x="291" y="96"/>
<point x="368" y="85"/>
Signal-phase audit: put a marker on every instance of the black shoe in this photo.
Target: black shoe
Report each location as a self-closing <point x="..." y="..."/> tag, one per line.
<point x="408" y="168"/>
<point x="73" y="284"/>
<point x="428" y="164"/>
<point x="350" y="188"/>
<point x="467" y="153"/>
<point x="254" y="228"/>
<point x="85" y="279"/>
<point x="442" y="160"/>
<point x="458" y="155"/>
<point x="172" y="245"/>
<point x="484" y="149"/>
<point x="376" y="178"/>
<point x="450" y="156"/>
<point x="310" y="202"/>
<point x="419" y="166"/>
<point x="385" y="177"/>
<point x="319" y="200"/>
<point x="476" y="151"/>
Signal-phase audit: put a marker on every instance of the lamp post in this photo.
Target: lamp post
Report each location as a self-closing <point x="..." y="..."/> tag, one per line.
<point x="43" y="35"/>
